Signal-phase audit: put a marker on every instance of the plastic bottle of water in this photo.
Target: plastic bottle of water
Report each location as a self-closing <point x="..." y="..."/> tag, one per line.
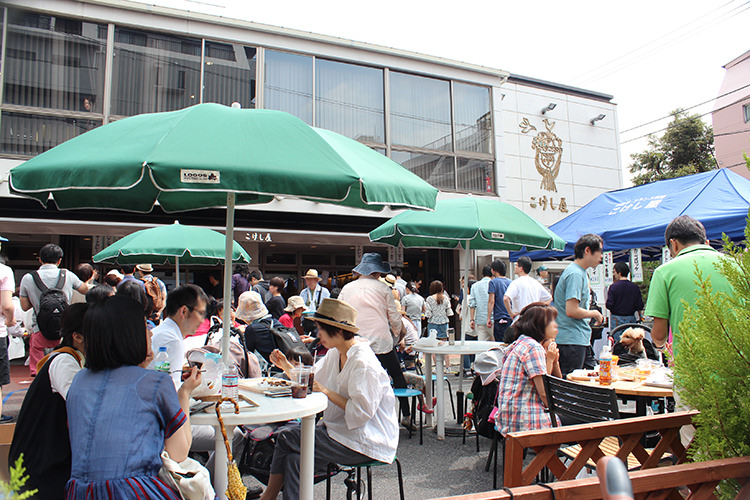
<point x="161" y="361"/>
<point x="230" y="381"/>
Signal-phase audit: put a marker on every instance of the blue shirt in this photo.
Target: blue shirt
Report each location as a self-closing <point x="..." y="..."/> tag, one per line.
<point x="498" y="286"/>
<point x="478" y="297"/>
<point x="573" y="284"/>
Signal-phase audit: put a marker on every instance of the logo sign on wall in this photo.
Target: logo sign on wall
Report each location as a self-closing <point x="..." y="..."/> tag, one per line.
<point x="608" y="263"/>
<point x="636" y="265"/>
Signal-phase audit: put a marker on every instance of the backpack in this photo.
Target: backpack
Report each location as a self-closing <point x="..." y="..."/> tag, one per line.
<point x="154" y="291"/>
<point x="52" y="303"/>
<point x="285" y="338"/>
<point x="485" y="406"/>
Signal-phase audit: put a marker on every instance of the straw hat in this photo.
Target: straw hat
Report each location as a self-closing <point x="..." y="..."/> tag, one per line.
<point x="337" y="313"/>
<point x="311" y="274"/>
<point x="146" y="268"/>
<point x="390" y="279"/>
<point x="294" y="303"/>
<point x="250" y="307"/>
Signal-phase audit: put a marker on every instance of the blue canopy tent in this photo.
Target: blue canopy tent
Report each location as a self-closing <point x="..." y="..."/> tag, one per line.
<point x="637" y="217"/>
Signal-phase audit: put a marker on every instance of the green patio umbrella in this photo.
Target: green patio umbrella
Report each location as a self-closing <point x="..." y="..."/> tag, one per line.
<point x="172" y="244"/>
<point x="209" y="155"/>
<point x="471" y="222"/>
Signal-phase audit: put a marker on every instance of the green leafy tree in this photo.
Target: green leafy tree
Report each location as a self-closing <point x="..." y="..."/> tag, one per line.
<point x="686" y="147"/>
<point x="712" y="362"/>
<point x="18" y="479"/>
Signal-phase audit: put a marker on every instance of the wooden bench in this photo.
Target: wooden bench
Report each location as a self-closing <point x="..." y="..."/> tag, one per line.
<point x="651" y="484"/>
<point x="594" y="444"/>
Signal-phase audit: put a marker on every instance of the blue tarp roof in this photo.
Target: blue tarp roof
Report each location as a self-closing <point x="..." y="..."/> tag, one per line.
<point x="637" y="217"/>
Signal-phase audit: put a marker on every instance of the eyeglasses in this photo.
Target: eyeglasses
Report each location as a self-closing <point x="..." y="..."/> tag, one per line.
<point x="201" y="313"/>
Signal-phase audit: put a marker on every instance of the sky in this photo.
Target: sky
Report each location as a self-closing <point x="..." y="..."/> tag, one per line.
<point x="652" y="56"/>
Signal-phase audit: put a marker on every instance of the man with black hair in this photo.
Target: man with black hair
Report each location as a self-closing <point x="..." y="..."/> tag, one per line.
<point x="184" y="313"/>
<point x="624" y="300"/>
<point x="572" y="303"/>
<point x="524" y="290"/>
<point x="88" y="275"/>
<point x="673" y="283"/>
<point x="50" y="257"/>
<point x="128" y="272"/>
<point x="259" y="285"/>
<point x="500" y="319"/>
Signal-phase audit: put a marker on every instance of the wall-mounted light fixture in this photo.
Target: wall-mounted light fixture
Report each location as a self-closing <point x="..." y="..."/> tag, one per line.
<point x="549" y="107"/>
<point x="597" y="118"/>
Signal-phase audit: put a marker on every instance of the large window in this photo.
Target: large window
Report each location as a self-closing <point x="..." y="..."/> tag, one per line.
<point x="472" y="117"/>
<point x="289" y="84"/>
<point x="229" y="74"/>
<point x="349" y="100"/>
<point x="437" y="170"/>
<point x="51" y="64"/>
<point x="154" y="72"/>
<point x="420" y="112"/>
<point x="57" y="72"/>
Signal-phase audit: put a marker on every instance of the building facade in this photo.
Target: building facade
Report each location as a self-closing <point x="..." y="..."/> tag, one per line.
<point x="731" y="116"/>
<point x="69" y="66"/>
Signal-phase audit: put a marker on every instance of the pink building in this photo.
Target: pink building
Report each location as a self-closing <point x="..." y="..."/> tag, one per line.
<point x="731" y="116"/>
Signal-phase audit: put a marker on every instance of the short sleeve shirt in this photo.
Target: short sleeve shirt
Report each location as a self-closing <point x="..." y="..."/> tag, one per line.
<point x="49" y="274"/>
<point x="525" y="290"/>
<point x="498" y="286"/>
<point x="519" y="406"/>
<point x="7" y="284"/>
<point x="573" y="284"/>
<point x="674" y="282"/>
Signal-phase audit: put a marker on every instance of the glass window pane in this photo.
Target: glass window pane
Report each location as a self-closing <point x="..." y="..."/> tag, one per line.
<point x="437" y="170"/>
<point x="475" y="176"/>
<point x="473" y="118"/>
<point x="154" y="72"/>
<point x="288" y="86"/>
<point x="349" y="100"/>
<point x="229" y="75"/>
<point x="420" y="112"/>
<point x="33" y="134"/>
<point x="52" y="62"/>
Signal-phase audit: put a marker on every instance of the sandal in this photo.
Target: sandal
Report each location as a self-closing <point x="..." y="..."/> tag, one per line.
<point x="424" y="409"/>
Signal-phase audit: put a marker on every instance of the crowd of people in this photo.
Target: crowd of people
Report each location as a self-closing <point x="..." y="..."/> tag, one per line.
<point x="93" y="365"/>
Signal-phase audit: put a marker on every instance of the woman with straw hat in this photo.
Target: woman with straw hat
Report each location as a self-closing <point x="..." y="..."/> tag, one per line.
<point x="360" y="423"/>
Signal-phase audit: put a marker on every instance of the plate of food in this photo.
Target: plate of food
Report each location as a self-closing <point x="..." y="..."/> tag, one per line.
<point x="267" y="385"/>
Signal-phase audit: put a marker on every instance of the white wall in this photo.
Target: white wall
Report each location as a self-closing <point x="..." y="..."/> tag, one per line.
<point x="590" y="162"/>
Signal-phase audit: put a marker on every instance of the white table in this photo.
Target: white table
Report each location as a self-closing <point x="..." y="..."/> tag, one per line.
<point x="270" y="410"/>
<point x="440" y="351"/>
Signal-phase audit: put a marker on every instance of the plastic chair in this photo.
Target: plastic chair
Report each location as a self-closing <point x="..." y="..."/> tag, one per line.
<point x="355" y="485"/>
<point x="414" y="395"/>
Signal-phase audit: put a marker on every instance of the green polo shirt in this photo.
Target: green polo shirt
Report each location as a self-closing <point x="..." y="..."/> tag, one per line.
<point x="675" y="281"/>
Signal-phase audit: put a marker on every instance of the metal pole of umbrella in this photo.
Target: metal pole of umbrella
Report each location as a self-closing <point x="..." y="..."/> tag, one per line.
<point x="226" y="321"/>
<point x="177" y="271"/>
<point x="464" y="315"/>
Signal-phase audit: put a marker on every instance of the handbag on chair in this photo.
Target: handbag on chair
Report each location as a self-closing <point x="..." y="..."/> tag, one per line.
<point x="189" y="478"/>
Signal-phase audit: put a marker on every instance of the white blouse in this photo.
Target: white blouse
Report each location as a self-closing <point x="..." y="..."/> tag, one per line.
<point x="369" y="425"/>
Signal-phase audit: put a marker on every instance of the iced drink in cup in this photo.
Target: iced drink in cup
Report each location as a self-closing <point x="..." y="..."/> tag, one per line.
<point x="310" y="379"/>
<point x="300" y="376"/>
<point x="643" y="368"/>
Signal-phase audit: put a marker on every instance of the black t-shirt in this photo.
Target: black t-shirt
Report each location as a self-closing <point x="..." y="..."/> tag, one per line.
<point x="624" y="298"/>
<point x="275" y="306"/>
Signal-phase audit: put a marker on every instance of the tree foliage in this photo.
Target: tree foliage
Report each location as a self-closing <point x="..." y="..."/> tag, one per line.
<point x="687" y="147"/>
<point x="712" y="362"/>
<point x="18" y="479"/>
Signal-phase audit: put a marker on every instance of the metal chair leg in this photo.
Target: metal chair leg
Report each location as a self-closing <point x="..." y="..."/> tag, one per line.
<point x="495" y="439"/>
<point x="400" y="479"/>
<point x="369" y="484"/>
<point x="328" y="481"/>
